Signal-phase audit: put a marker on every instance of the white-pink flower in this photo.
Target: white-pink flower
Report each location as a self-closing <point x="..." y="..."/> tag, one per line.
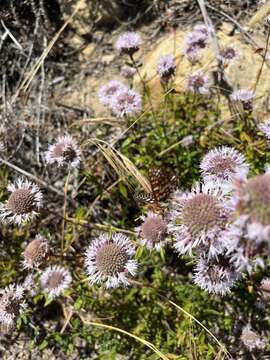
<point x="198" y="83"/>
<point x="109" y="260"/>
<point x="64" y="151"/>
<point x="23" y="204"/>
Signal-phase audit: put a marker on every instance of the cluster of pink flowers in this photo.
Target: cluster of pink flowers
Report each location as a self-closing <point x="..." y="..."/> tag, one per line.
<point x="24" y="203"/>
<point x="120" y="99"/>
<point x="195" y="41"/>
<point x="222" y="222"/>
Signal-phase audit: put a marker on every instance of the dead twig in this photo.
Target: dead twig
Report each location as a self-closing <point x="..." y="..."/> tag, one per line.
<point x="33" y="177"/>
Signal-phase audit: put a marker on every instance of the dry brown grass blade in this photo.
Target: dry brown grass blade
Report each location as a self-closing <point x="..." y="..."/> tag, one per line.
<point x="132" y="169"/>
<point x="138" y="338"/>
<point x="29" y="77"/>
<point x="259" y="15"/>
<point x="121" y="164"/>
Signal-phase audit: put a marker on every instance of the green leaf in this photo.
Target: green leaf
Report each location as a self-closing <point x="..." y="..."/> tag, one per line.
<point x="44" y="344"/>
<point x="123" y="190"/>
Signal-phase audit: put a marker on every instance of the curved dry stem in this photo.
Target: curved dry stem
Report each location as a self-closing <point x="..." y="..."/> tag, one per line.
<point x="144" y="342"/>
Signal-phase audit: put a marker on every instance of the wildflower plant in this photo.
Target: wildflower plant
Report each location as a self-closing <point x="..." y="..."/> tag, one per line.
<point x="11" y="303"/>
<point x="153" y="233"/>
<point x="128" y="43"/>
<point x="166" y="68"/>
<point x="64" y="152"/>
<point x="126" y="102"/>
<point x="223" y="165"/>
<point x="199" y="219"/>
<point x="54" y="280"/>
<point x="198" y="83"/>
<point x="110" y="260"/>
<point x="215" y="229"/>
<point x="23" y="203"/>
<point x="252" y="340"/>
<point x="35" y="252"/>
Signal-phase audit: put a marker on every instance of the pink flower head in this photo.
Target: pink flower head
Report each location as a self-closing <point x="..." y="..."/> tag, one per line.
<point x="128" y="71"/>
<point x="108" y="91"/>
<point x="195" y="41"/>
<point x="128" y="43"/>
<point x="252" y="340"/>
<point x="222" y="165"/>
<point x="153" y="232"/>
<point x="199" y="219"/>
<point x="198" y="83"/>
<point x="54" y="280"/>
<point x="11" y="303"/>
<point x="64" y="151"/>
<point x="109" y="260"/>
<point x="216" y="275"/>
<point x="252" y="201"/>
<point x="228" y="54"/>
<point x="244" y="96"/>
<point x="126" y="102"/>
<point x="166" y="67"/>
<point x="23" y="204"/>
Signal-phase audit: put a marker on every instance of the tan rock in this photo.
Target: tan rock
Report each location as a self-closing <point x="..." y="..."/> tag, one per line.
<point x="82" y="91"/>
<point x="241" y="74"/>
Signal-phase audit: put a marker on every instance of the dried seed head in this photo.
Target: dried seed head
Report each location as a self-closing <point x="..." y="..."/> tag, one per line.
<point x="251" y="339"/>
<point x="109" y="260"/>
<point x="126" y="102"/>
<point x="23" y="203"/>
<point x="222" y="165"/>
<point x="54" y="280"/>
<point x="153" y="231"/>
<point x="35" y="252"/>
<point x="64" y="152"/>
<point x="128" y="43"/>
<point x="216" y="275"/>
<point x="199" y="218"/>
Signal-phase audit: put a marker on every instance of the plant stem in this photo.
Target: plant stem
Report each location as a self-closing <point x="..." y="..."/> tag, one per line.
<point x="64" y="211"/>
<point x="144" y="86"/>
